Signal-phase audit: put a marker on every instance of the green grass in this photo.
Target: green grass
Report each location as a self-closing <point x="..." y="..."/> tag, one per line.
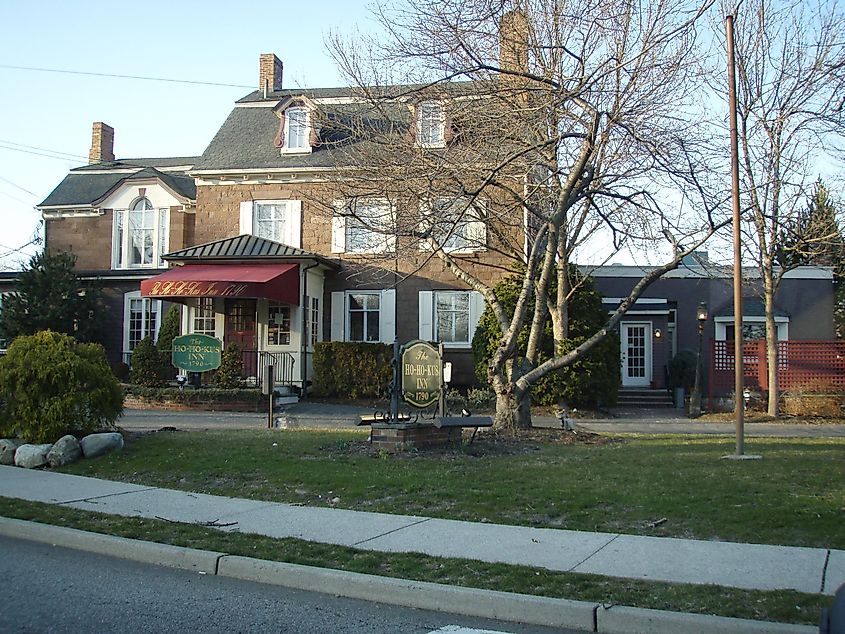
<point x="795" y="495"/>
<point x="781" y="606"/>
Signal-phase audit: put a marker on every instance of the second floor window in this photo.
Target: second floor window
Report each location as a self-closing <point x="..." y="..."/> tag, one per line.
<point x="276" y="220"/>
<point x="140" y="236"/>
<point x="364" y="226"/>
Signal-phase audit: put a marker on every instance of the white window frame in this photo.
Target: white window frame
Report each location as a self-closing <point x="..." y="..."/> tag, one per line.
<point x="428" y="316"/>
<point x="461" y="220"/>
<point x="196" y="312"/>
<point x="340" y="328"/>
<point x="303" y="145"/>
<point x="312" y="320"/>
<point x="721" y="326"/>
<point x="357" y="217"/>
<point x="128" y="299"/>
<point x="281" y="308"/>
<point x="289" y="220"/>
<point x="122" y="242"/>
<point x="431" y="124"/>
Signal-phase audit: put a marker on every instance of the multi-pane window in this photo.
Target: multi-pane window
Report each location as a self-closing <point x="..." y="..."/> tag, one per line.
<point x="278" y="327"/>
<point x="143" y="320"/>
<point x="363" y="315"/>
<point x="203" y="322"/>
<point x="431" y="124"/>
<point x="313" y="320"/>
<point x="296" y="129"/>
<point x="455" y="224"/>
<point x="271" y="220"/>
<point x="451" y="316"/>
<point x="140" y="235"/>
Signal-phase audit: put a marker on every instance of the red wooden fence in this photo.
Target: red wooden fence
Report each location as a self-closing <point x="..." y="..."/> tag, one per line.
<point x="814" y="365"/>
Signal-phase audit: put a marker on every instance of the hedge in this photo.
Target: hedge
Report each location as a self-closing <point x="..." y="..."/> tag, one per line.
<point x="351" y="369"/>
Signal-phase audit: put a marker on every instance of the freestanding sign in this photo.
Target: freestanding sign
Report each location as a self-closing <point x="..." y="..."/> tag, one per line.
<point x="421" y="374"/>
<point x="196" y="353"/>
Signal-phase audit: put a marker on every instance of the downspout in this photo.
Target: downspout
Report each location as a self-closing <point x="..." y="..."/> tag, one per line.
<point x="303" y="353"/>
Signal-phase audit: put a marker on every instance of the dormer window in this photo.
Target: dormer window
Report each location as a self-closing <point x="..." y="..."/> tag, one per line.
<point x="431" y="124"/>
<point x="296" y="130"/>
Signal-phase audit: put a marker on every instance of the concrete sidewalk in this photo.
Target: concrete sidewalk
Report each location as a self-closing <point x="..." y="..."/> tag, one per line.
<point x="749" y="566"/>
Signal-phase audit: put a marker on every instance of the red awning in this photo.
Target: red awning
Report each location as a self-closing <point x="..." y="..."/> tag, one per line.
<point x="273" y="281"/>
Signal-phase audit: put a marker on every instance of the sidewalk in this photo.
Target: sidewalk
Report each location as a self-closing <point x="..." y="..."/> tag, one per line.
<point x="749" y="566"/>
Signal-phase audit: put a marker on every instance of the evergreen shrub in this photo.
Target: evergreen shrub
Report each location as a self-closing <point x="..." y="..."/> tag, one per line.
<point x="164" y="344"/>
<point x="352" y="369"/>
<point x="149" y="367"/>
<point x="230" y="373"/>
<point x="682" y="370"/>
<point x="52" y="385"/>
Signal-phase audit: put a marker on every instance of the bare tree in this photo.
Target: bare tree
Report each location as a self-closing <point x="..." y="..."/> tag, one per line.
<point x="562" y="121"/>
<point x="790" y="69"/>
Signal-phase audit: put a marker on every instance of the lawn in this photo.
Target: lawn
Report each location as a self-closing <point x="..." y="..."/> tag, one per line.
<point x="795" y="495"/>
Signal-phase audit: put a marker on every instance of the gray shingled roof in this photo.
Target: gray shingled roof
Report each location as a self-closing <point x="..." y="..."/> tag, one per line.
<point x="751" y="307"/>
<point x="83" y="188"/>
<point x="245" y="247"/>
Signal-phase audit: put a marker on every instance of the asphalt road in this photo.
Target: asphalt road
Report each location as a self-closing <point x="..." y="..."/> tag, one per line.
<point x="51" y="589"/>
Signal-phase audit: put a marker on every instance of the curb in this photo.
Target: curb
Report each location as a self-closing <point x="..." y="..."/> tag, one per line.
<point x="504" y="606"/>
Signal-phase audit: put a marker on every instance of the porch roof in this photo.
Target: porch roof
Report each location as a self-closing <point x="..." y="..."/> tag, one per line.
<point x="246" y="247"/>
<point x="279" y="282"/>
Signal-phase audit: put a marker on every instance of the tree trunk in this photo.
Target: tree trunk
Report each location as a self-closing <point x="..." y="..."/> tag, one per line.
<point x="512" y="412"/>
<point x="771" y="352"/>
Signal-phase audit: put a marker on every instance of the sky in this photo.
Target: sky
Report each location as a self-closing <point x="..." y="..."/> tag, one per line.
<point x="47" y="116"/>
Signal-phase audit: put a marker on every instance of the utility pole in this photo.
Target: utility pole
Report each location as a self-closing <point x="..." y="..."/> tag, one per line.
<point x="739" y="405"/>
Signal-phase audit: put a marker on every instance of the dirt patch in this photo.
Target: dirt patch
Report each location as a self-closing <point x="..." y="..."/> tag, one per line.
<point x="491" y="443"/>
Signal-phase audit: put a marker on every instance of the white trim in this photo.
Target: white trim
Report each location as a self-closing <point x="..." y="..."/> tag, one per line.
<point x="127" y="304"/>
<point x="428" y="321"/>
<point x="338" y="312"/>
<point x="697" y="272"/>
<point x="286" y="147"/>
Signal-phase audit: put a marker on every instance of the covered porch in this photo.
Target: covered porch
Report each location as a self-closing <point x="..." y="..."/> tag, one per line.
<point x="263" y="296"/>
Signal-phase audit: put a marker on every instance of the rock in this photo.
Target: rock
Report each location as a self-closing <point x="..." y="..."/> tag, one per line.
<point x="8" y="446"/>
<point x="95" y="445"/>
<point x="65" y="451"/>
<point x="32" y="456"/>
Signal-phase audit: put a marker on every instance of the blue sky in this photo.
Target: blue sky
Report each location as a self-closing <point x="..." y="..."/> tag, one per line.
<point x="49" y="113"/>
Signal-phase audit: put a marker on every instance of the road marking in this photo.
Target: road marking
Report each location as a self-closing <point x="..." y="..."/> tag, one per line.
<point x="457" y="629"/>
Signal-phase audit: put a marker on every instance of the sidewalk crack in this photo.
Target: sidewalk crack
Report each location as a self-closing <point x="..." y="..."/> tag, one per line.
<point x="596" y="552"/>
<point x="395" y="530"/>
<point x="824" y="570"/>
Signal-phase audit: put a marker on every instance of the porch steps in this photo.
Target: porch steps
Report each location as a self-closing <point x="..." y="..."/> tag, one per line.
<point x="643" y="398"/>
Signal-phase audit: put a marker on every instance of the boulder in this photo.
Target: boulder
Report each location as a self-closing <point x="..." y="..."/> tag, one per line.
<point x="95" y="445"/>
<point x="65" y="451"/>
<point x="8" y="446"/>
<point x="32" y="456"/>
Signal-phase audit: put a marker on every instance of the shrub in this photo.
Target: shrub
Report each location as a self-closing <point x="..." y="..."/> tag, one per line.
<point x="168" y="331"/>
<point x="352" y="370"/>
<point x="229" y="374"/>
<point x="682" y="370"/>
<point x="148" y="366"/>
<point x="51" y="385"/>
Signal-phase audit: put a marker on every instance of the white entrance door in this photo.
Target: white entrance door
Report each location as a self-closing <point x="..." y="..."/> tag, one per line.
<point x="636" y="354"/>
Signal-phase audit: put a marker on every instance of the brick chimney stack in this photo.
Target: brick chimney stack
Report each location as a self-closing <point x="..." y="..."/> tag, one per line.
<point x="102" y="144"/>
<point x="270" y="73"/>
<point x="513" y="41"/>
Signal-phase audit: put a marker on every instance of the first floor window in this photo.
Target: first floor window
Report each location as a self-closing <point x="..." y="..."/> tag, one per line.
<point x="313" y="320"/>
<point x="451" y="323"/>
<point x="278" y="328"/>
<point x="203" y="321"/>
<point x="364" y="312"/>
<point x="141" y="319"/>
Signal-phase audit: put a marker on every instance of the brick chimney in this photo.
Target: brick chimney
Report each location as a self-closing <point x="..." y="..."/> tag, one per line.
<point x="513" y="41"/>
<point x="102" y="144"/>
<point x="270" y="73"/>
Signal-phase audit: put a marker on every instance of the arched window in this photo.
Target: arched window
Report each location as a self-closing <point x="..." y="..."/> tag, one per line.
<point x="140" y="235"/>
<point x="296" y="129"/>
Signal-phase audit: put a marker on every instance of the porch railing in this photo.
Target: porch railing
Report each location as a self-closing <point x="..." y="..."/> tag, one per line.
<point x="255" y="363"/>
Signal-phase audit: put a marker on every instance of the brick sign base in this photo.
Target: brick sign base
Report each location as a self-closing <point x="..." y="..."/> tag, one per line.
<point x="406" y="436"/>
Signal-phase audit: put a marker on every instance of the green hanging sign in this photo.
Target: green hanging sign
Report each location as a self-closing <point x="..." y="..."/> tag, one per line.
<point x="421" y="374"/>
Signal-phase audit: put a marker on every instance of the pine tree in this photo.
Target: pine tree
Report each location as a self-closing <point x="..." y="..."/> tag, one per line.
<point x="228" y="375"/>
<point x="49" y="296"/>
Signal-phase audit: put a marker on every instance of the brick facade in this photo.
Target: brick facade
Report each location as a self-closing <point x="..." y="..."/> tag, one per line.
<point x="89" y="238"/>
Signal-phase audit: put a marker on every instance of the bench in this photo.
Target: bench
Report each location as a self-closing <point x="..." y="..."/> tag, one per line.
<point x="464" y="421"/>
